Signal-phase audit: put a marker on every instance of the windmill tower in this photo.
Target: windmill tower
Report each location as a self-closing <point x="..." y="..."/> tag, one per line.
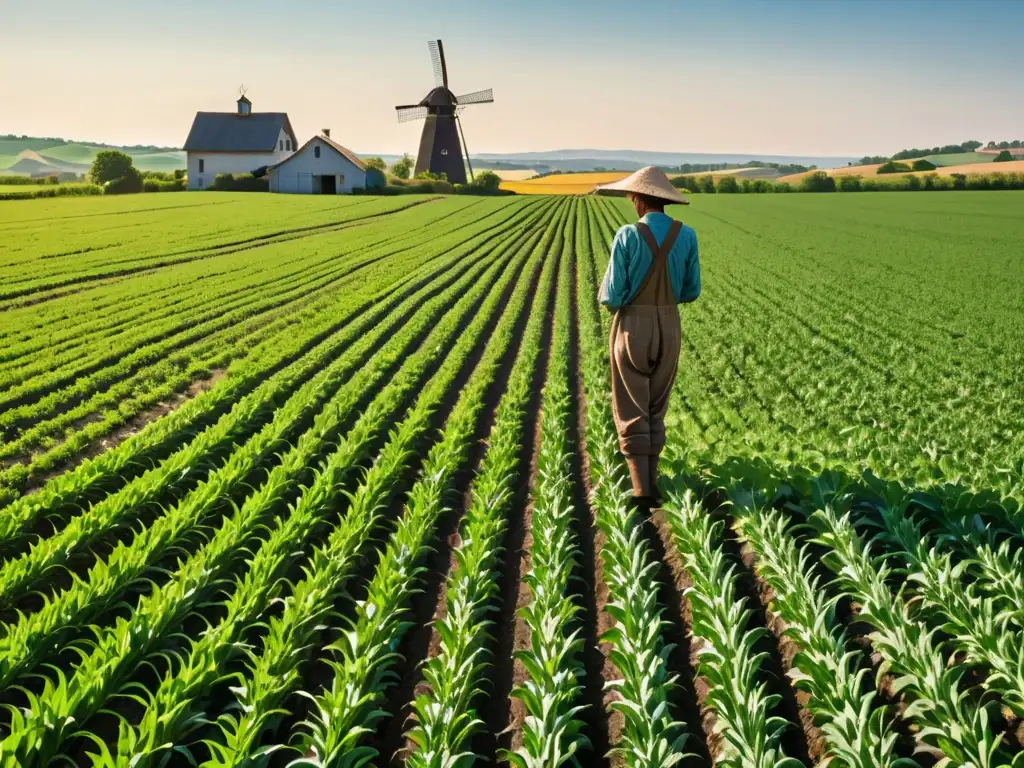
<point x="440" y="148"/>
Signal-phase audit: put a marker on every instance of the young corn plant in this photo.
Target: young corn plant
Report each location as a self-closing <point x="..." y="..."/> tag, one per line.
<point x="978" y="627"/>
<point x="29" y="639"/>
<point x="445" y="714"/>
<point x="992" y="552"/>
<point x="553" y="731"/>
<point x="738" y="694"/>
<point x="950" y="720"/>
<point x="53" y="717"/>
<point x="651" y="737"/>
<point x="858" y="732"/>
<point x="366" y="649"/>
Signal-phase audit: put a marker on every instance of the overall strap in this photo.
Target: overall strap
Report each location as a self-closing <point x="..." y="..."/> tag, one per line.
<point x="655" y="289"/>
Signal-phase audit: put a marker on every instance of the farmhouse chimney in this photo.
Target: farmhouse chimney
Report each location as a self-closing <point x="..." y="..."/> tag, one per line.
<point x="327" y="132"/>
<point x="244" y="106"/>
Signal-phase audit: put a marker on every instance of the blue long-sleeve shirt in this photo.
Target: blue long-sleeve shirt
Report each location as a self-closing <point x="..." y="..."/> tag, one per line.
<point x="631" y="260"/>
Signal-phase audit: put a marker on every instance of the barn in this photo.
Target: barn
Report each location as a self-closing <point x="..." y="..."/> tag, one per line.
<point x="319" y="167"/>
<point x="236" y="142"/>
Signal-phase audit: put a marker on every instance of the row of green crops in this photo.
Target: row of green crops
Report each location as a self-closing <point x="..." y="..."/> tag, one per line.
<point x="265" y="464"/>
<point x="53" y="416"/>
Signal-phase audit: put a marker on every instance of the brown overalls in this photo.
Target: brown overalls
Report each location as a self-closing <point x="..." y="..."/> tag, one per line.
<point x="644" y="346"/>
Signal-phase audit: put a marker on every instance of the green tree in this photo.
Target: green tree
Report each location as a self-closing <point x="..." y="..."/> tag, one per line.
<point x="893" y="167"/>
<point x="403" y="168"/>
<point x="375" y="162"/>
<point x="727" y="184"/>
<point x="923" y="165"/>
<point x="1003" y="157"/>
<point x="817" y="181"/>
<point x="706" y="184"/>
<point x="849" y="183"/>
<point x="110" y="165"/>
<point x="487" y="180"/>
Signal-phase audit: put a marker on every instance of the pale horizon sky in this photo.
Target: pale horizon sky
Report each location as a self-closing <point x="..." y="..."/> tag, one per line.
<point x="781" y="77"/>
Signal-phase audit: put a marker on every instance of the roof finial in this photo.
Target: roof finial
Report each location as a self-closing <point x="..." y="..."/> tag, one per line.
<point x="244" y="105"/>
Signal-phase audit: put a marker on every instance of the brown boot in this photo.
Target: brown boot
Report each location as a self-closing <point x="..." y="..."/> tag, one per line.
<point x="640" y="475"/>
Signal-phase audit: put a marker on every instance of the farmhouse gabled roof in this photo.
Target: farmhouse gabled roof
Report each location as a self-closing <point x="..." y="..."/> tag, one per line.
<point x="348" y="154"/>
<point x="231" y="132"/>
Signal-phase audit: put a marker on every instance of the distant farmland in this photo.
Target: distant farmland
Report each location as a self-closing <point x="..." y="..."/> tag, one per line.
<point x="1013" y="166"/>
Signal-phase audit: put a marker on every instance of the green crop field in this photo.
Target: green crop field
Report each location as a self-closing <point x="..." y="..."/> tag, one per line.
<point x="335" y="481"/>
<point x="962" y="158"/>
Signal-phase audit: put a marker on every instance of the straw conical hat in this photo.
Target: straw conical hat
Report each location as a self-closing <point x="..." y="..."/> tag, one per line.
<point x="650" y="181"/>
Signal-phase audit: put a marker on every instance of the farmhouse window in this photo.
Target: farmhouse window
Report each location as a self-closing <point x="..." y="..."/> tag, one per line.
<point x="316" y="152"/>
<point x="280" y="144"/>
<point x="202" y="165"/>
<point x="288" y="144"/>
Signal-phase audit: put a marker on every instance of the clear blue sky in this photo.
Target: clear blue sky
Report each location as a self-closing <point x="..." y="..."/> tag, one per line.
<point x="800" y="77"/>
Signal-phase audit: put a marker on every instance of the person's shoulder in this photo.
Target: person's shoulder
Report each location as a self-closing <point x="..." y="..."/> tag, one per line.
<point x="686" y="231"/>
<point x="626" y="233"/>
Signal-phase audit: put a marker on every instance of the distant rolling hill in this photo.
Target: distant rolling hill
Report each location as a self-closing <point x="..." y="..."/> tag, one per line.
<point x="28" y="155"/>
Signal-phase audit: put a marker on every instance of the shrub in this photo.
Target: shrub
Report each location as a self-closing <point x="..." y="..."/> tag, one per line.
<point x="375" y="178"/>
<point x="849" y="183"/>
<point x="61" y="190"/>
<point x="1003" y="157"/>
<point x="471" y="189"/>
<point x="727" y="184"/>
<point x="871" y="185"/>
<point x="923" y="165"/>
<point x="782" y="187"/>
<point x="375" y="162"/>
<point x="913" y="183"/>
<point x="932" y="181"/>
<point x="977" y="181"/>
<point x="225" y="182"/>
<point x="16" y="180"/>
<point x="179" y="173"/>
<point x="893" y="167"/>
<point x="111" y="165"/>
<point x="488" y="181"/>
<point x="959" y="180"/>
<point x="817" y="181"/>
<point x="128" y="184"/>
<point x="161" y="185"/>
<point x="430" y="176"/>
<point x="706" y="184"/>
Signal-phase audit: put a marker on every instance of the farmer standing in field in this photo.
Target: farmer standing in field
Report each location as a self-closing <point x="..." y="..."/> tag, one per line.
<point x="653" y="268"/>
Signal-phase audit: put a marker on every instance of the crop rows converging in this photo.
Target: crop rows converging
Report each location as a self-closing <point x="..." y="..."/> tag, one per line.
<point x="332" y="483"/>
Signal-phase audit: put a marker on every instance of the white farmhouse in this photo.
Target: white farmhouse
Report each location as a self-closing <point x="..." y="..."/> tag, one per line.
<point x="236" y="142"/>
<point x="319" y="167"/>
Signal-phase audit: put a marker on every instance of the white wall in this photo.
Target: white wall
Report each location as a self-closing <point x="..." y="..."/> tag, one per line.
<point x="233" y="162"/>
<point x="297" y="176"/>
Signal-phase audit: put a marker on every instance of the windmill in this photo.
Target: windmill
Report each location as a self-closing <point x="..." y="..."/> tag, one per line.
<point x="440" y="148"/>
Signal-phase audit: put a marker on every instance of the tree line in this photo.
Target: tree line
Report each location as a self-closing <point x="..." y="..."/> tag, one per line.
<point x="948" y="149"/>
<point x="820" y="181"/>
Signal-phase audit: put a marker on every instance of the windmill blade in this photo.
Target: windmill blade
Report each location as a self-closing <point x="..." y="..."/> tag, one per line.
<point x="476" y="97"/>
<point x="411" y="112"/>
<point x="437" y="59"/>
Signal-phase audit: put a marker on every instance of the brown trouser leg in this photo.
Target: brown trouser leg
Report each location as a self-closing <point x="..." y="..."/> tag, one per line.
<point x="644" y="350"/>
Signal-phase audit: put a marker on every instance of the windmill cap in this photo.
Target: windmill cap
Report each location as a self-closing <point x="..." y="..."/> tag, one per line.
<point x="650" y="181"/>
